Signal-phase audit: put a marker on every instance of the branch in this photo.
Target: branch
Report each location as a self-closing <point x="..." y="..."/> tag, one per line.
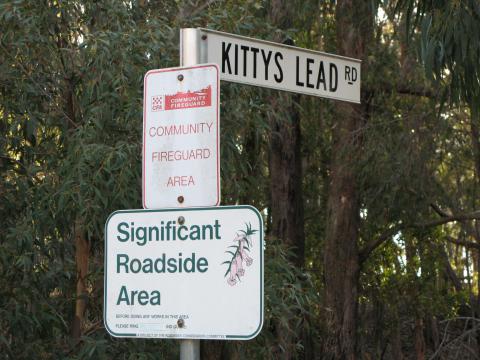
<point x="449" y="270"/>
<point x="401" y="89"/>
<point x="467" y="244"/>
<point x="95" y="326"/>
<point x="15" y="161"/>
<point x="439" y="211"/>
<point x="471" y="230"/>
<point x="424" y="92"/>
<point x="475" y="215"/>
<point x="369" y="247"/>
<point x="442" y="347"/>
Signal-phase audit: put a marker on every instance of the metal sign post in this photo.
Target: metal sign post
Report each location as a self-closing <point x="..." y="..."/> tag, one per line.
<point x="190" y="349"/>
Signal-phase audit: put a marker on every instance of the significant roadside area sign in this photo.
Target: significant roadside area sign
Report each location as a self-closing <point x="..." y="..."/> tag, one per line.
<point x="273" y="65"/>
<point x="184" y="273"/>
<point x="181" y="149"/>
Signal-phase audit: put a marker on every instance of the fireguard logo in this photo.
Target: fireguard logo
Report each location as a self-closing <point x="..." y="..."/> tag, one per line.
<point x="183" y="100"/>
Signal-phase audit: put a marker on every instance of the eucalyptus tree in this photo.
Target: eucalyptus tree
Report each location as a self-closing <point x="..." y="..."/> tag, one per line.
<point x="71" y="119"/>
<point x="375" y="181"/>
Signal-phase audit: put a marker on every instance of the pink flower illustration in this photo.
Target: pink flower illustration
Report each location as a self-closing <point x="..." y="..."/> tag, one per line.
<point x="239" y="253"/>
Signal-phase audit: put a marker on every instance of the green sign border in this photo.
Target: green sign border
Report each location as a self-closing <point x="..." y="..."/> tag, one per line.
<point x="215" y="208"/>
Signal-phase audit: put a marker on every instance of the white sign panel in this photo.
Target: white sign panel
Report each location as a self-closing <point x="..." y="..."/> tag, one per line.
<point x="272" y="65"/>
<point x="181" y="147"/>
<point x="192" y="273"/>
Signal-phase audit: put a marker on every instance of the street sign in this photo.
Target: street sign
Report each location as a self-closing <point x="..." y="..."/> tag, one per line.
<point x="273" y="65"/>
<point x="192" y="273"/>
<point x="181" y="146"/>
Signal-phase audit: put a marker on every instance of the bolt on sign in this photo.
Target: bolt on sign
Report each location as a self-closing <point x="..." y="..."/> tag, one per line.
<point x="192" y="273"/>
<point x="181" y="146"/>
<point x="273" y="65"/>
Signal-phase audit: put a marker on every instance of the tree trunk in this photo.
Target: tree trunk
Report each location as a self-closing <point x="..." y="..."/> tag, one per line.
<point x="82" y="246"/>
<point x="396" y="334"/>
<point x="396" y="342"/>
<point x="285" y="170"/>
<point x="412" y="270"/>
<point x="285" y="163"/>
<point x="435" y="333"/>
<point x="286" y="176"/>
<point x="353" y="22"/>
<point x="341" y="252"/>
<point x="82" y="250"/>
<point x="419" y="339"/>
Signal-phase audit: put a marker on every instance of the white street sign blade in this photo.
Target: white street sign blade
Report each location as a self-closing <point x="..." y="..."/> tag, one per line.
<point x="273" y="65"/>
<point x="192" y="273"/>
<point x="181" y="129"/>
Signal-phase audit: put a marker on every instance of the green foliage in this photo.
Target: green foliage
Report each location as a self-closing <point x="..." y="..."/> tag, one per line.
<point x="71" y="90"/>
<point x="71" y="77"/>
<point x="449" y="45"/>
<point x="290" y="305"/>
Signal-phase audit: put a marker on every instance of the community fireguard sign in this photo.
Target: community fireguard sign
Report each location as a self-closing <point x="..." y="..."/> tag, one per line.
<point x="181" y="159"/>
<point x="184" y="273"/>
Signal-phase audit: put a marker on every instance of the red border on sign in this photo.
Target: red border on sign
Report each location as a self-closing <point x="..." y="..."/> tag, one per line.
<point x="218" y="125"/>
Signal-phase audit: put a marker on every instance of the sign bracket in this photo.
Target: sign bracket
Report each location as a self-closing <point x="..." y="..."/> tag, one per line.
<point x="193" y="47"/>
